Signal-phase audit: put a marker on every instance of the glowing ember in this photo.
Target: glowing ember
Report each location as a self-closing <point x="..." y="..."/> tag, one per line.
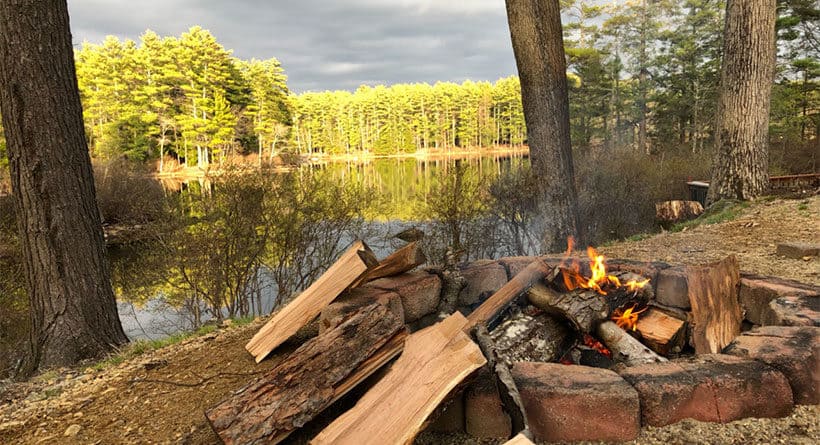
<point x="627" y="318"/>
<point x="596" y="345"/>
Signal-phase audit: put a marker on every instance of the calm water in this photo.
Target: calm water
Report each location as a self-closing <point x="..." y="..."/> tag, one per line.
<point x="401" y="185"/>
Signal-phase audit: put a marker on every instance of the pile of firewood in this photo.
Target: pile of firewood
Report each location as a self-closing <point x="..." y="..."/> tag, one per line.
<point x="544" y="313"/>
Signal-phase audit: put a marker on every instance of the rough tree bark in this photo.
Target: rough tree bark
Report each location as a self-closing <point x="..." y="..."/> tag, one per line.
<point x="535" y="28"/>
<point x="72" y="308"/>
<point x="740" y="168"/>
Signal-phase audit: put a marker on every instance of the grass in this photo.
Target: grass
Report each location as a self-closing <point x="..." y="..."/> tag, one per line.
<point x="803" y="206"/>
<point x="140" y="347"/>
<point x="721" y="211"/>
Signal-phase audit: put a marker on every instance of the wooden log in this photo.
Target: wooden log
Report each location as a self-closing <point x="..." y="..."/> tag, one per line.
<point x="716" y="312"/>
<point x="520" y="439"/>
<point x="403" y="260"/>
<point x="489" y="311"/>
<point x="315" y="375"/>
<point x="510" y="397"/>
<point x="539" y="337"/>
<point x="435" y="360"/>
<point x="661" y="332"/>
<point x="625" y="348"/>
<point x="583" y="308"/>
<point x="674" y="211"/>
<point x="347" y="270"/>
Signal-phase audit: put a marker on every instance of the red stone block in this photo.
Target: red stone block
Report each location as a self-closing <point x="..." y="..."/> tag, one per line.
<point x="483" y="279"/>
<point x="451" y="419"/>
<point x="798" y="250"/>
<point x="709" y="388"/>
<point x="484" y="416"/>
<point x="515" y="264"/>
<point x="794" y="351"/>
<point x="575" y="403"/>
<point x="793" y="311"/>
<point x="672" y="289"/>
<point x="756" y="292"/>
<point x="419" y="291"/>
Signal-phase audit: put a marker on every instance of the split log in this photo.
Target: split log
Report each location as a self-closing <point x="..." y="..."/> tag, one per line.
<point x="584" y="309"/>
<point x="435" y="360"/>
<point x="673" y="211"/>
<point x="507" y="390"/>
<point x="347" y="270"/>
<point x="716" y="312"/>
<point x="520" y="439"/>
<point x="625" y="348"/>
<point x="661" y="332"/>
<point x="490" y="311"/>
<point x="314" y="376"/>
<point x="403" y="260"/>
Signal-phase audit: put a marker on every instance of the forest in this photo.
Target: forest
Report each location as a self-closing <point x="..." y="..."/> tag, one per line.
<point x="643" y="75"/>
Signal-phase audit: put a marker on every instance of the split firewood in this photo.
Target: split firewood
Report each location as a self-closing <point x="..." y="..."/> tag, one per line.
<point x="520" y="439"/>
<point x="507" y="390"/>
<point x="346" y="271"/>
<point x="434" y="361"/>
<point x="716" y="312"/>
<point x="310" y="379"/>
<point x="663" y="333"/>
<point x="583" y="308"/>
<point x="625" y="348"/>
<point x="403" y="260"/>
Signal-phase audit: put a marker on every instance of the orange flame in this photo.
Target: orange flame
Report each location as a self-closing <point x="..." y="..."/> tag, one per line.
<point x="627" y="318"/>
<point x="599" y="279"/>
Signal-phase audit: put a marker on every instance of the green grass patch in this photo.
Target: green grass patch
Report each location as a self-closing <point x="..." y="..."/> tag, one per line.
<point x="721" y="211"/>
<point x="803" y="206"/>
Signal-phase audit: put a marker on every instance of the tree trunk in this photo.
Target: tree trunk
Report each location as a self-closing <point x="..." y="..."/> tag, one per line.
<point x="72" y="308"/>
<point x="535" y="28"/>
<point x="740" y="168"/>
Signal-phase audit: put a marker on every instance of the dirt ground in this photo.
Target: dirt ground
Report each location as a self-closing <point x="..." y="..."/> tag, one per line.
<point x="160" y="397"/>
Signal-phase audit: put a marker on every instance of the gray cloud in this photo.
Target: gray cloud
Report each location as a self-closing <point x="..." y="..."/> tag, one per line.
<point x="327" y="45"/>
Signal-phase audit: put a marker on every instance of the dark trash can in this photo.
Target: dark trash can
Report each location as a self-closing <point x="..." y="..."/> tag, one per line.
<point x="698" y="191"/>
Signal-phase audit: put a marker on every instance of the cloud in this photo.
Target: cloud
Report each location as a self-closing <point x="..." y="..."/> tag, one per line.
<point x="328" y="45"/>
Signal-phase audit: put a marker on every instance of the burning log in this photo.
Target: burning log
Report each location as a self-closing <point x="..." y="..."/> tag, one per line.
<point x="309" y="380"/>
<point x="403" y="260"/>
<point x="715" y="306"/>
<point x="661" y="332"/>
<point x="346" y="271"/>
<point x="625" y="348"/>
<point x="584" y="309"/>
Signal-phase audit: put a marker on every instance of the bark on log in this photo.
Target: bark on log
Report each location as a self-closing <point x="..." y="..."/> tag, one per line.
<point x="346" y="271"/>
<point x="661" y="332"/>
<point x="716" y="312"/>
<point x="625" y="348"/>
<point x="531" y="338"/>
<point x="584" y="309"/>
<point x="510" y="397"/>
<point x="403" y="260"/>
<point x="310" y="379"/>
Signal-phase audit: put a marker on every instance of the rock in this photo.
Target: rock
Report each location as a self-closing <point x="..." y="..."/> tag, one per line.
<point x="483" y="279"/>
<point x="419" y="291"/>
<point x="798" y="250"/>
<point x="577" y="403"/>
<point x="515" y="264"/>
<point x="353" y="300"/>
<point x="672" y="289"/>
<point x="793" y="311"/>
<point x="483" y="413"/>
<point x="757" y="291"/>
<point x="72" y="431"/>
<point x="709" y="388"/>
<point x="794" y="351"/>
<point x="451" y="419"/>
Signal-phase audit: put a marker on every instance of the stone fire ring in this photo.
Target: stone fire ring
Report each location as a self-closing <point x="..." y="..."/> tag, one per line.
<point x="762" y="373"/>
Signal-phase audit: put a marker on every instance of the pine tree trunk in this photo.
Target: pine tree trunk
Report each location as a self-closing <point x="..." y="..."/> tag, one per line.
<point x="535" y="27"/>
<point x="72" y="308"/>
<point x="740" y="169"/>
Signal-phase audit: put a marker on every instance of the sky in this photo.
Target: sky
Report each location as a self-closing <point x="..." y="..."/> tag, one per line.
<point x="327" y="44"/>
